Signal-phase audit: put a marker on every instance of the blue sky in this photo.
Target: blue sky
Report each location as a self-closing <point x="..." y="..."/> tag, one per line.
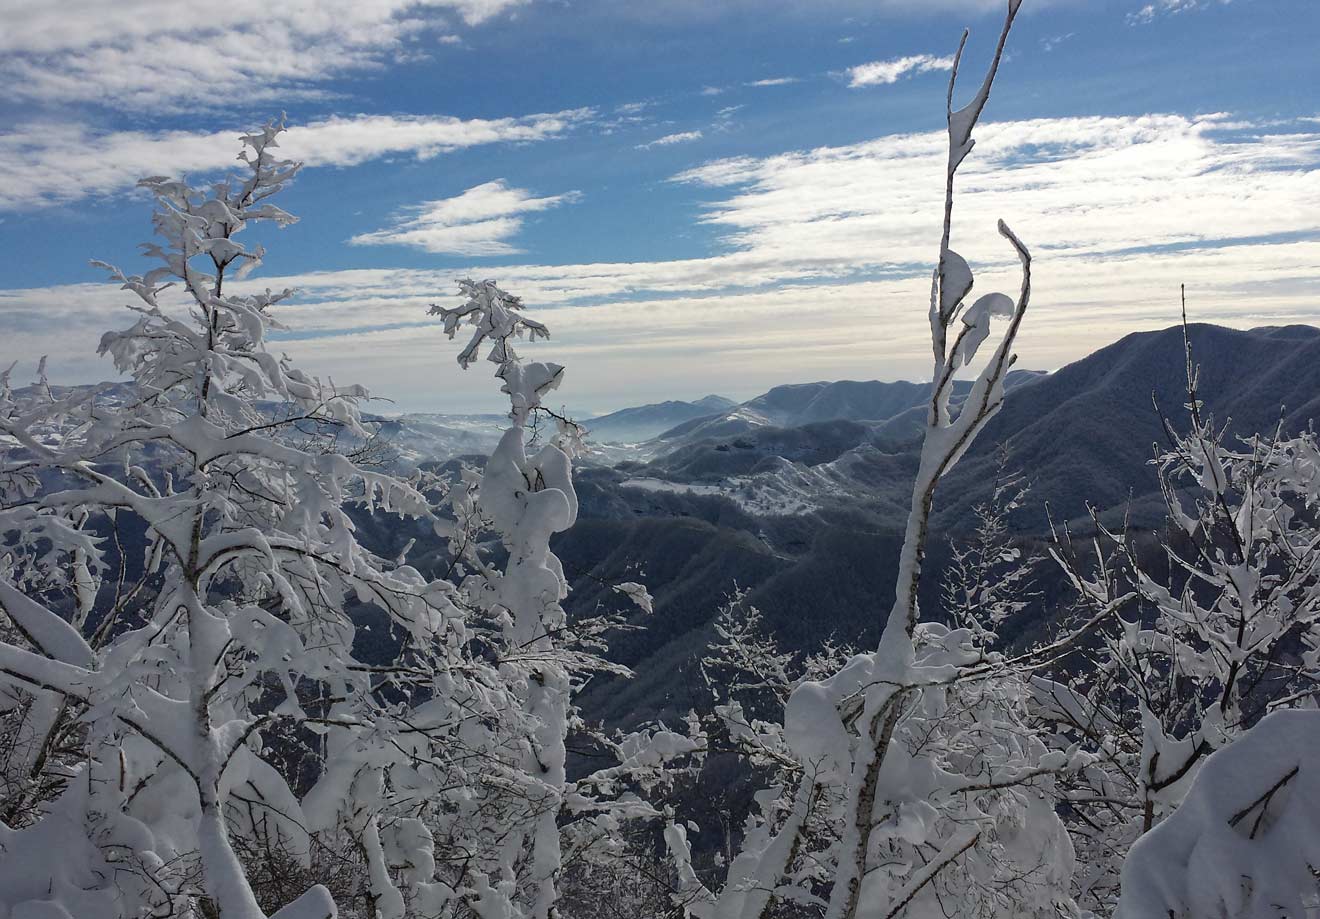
<point x="696" y="196"/>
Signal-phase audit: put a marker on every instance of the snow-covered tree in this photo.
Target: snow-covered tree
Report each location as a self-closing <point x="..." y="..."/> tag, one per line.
<point x="174" y="665"/>
<point x="525" y="496"/>
<point x="751" y="679"/>
<point x="195" y="710"/>
<point x="988" y="579"/>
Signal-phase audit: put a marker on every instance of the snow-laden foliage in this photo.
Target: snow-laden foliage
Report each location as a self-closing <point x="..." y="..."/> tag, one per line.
<point x="173" y="666"/>
<point x="751" y="680"/>
<point x="1218" y="624"/>
<point x="197" y="712"/>
<point x="988" y="580"/>
<point x="1243" y="844"/>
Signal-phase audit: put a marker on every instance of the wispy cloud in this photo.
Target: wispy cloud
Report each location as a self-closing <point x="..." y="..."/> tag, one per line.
<point x="1152" y="11"/>
<point x="629" y="115"/>
<point x="480" y="221"/>
<point x="681" y="137"/>
<point x="1049" y="44"/>
<point x="42" y="164"/>
<point x="1083" y="185"/>
<point x="152" y="54"/>
<point x="750" y="84"/>
<point x="724" y="118"/>
<point x="879" y="73"/>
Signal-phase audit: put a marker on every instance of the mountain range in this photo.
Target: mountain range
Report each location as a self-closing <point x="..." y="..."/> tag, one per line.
<point x="807" y="518"/>
<point x="798" y="497"/>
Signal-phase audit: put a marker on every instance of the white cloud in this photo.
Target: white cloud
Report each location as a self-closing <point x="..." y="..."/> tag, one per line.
<point x="1148" y="13"/>
<point x="682" y="137"/>
<point x="848" y="13"/>
<point x="775" y="81"/>
<point x="169" y="54"/>
<point x="829" y="246"/>
<point x="1142" y="16"/>
<point x="1074" y="185"/>
<point x="823" y="269"/>
<point x="372" y="326"/>
<point x="724" y="118"/>
<point x="628" y="116"/>
<point x="1049" y="44"/>
<point x="480" y="221"/>
<point x="44" y="164"/>
<point x="878" y="73"/>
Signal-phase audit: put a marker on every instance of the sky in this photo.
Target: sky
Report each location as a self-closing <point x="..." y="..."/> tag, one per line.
<point x="696" y="197"/>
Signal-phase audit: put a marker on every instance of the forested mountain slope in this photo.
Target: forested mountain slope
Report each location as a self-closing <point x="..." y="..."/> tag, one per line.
<point x="1083" y="434"/>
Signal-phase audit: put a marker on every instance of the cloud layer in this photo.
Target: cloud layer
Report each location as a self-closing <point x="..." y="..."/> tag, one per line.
<point x="824" y="259"/>
<point x="42" y="164"/>
<point x="166" y="54"/>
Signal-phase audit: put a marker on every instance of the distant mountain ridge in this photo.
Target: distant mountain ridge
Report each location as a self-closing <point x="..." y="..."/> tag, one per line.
<point x="797" y="404"/>
<point x="1083" y="435"/>
<point x="643" y="422"/>
<point x="851" y="400"/>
